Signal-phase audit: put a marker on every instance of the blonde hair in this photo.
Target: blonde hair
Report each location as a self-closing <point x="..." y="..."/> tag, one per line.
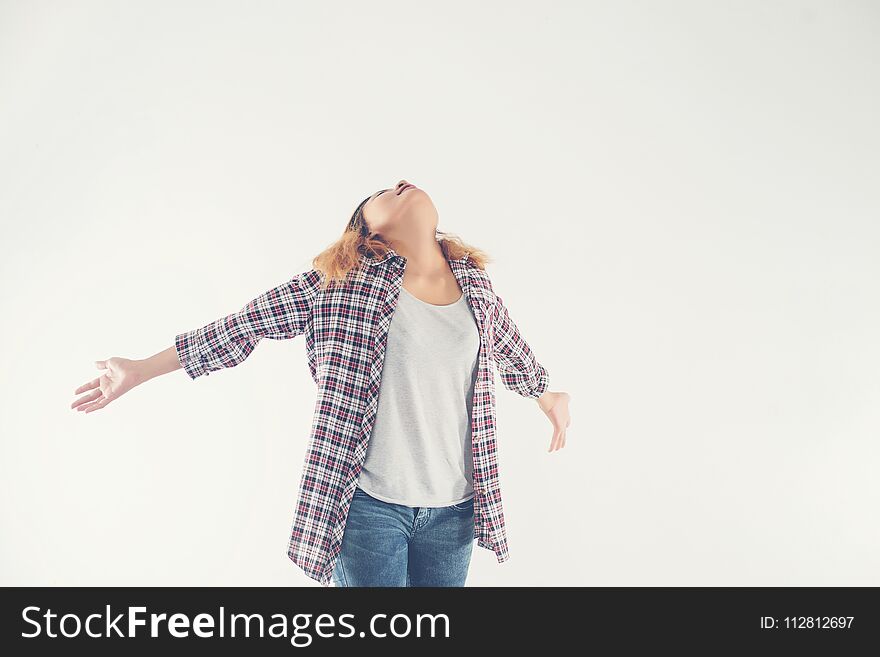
<point x="338" y="259"/>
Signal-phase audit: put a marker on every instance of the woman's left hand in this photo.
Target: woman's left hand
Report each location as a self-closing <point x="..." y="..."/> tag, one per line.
<point x="555" y="405"/>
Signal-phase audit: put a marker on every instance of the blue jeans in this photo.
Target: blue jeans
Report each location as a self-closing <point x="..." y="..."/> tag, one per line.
<point x="387" y="544"/>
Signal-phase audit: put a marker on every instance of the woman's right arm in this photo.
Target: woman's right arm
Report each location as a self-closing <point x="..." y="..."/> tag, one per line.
<point x="280" y="313"/>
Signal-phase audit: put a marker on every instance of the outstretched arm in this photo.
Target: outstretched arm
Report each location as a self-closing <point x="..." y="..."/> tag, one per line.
<point x="521" y="372"/>
<point x="280" y="313"/>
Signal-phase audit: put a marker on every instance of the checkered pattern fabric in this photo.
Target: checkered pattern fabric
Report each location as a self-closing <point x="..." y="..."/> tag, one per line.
<point x="346" y="330"/>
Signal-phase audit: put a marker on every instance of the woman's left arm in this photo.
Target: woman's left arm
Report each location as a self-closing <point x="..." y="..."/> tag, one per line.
<point x="521" y="372"/>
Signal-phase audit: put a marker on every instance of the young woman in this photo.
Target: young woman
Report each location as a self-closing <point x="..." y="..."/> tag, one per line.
<point x="402" y="329"/>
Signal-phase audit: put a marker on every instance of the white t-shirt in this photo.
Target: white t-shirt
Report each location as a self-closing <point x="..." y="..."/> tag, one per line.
<point x="419" y="452"/>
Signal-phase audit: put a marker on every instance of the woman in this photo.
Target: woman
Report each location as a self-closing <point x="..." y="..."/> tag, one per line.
<point x="402" y="327"/>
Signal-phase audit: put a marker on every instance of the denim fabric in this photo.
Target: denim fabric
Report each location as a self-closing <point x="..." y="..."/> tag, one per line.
<point x="387" y="544"/>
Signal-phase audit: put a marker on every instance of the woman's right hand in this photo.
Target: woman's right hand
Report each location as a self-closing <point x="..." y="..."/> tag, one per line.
<point x="121" y="375"/>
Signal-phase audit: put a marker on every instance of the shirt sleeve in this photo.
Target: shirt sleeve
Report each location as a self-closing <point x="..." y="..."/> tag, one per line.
<point x="520" y="370"/>
<point x="278" y="314"/>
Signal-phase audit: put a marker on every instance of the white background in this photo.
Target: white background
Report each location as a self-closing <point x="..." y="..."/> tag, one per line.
<point x="681" y="200"/>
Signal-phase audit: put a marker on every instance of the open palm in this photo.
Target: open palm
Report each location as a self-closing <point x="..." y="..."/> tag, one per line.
<point x="119" y="378"/>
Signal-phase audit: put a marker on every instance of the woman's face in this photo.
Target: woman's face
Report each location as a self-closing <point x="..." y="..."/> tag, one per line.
<point x="400" y="212"/>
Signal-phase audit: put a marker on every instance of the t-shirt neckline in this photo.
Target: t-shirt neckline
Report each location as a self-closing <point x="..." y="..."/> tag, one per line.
<point x="433" y="305"/>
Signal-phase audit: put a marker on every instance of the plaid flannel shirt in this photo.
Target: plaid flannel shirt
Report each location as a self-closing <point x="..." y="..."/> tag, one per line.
<point x="346" y="330"/>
